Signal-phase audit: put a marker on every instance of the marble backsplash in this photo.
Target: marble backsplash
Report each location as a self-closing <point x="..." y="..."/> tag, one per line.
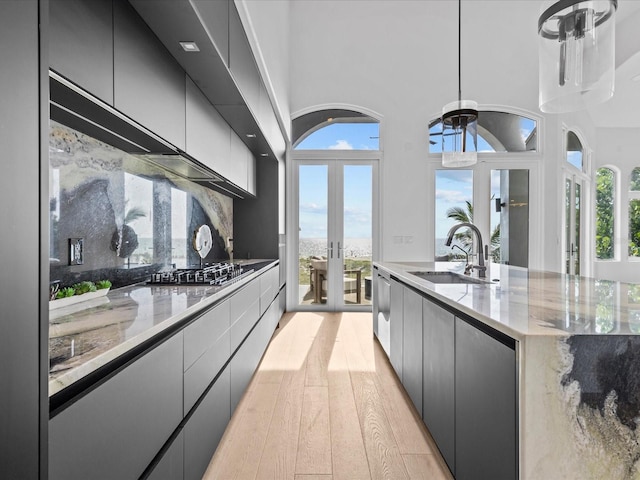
<point x="118" y="217"/>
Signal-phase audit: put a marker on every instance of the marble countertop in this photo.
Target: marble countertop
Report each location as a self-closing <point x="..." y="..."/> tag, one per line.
<point x="86" y="336"/>
<point x="521" y="302"/>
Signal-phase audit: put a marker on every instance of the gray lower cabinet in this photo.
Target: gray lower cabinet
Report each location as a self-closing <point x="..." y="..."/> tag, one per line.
<point x="167" y="394"/>
<point x="485" y="405"/>
<point x="206" y="349"/>
<point x="412" y="346"/>
<point x="438" y="374"/>
<point x="117" y="429"/>
<point x="204" y="429"/>
<point x="171" y="465"/>
<point x="396" y="325"/>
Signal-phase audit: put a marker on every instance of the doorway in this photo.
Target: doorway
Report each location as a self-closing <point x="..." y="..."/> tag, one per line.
<point x="573" y="224"/>
<point x="335" y="225"/>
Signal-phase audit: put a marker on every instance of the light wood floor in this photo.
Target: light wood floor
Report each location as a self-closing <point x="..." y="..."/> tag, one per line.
<point x="326" y="404"/>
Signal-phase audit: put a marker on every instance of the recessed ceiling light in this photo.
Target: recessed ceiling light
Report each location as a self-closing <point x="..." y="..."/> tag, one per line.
<point x="189" y="46"/>
<point x="251" y="135"/>
<point x="264" y="154"/>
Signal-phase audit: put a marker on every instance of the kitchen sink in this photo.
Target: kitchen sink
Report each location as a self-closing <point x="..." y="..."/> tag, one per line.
<point x="447" y="277"/>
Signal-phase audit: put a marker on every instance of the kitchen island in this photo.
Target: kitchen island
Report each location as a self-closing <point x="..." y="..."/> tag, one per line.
<point x="575" y="345"/>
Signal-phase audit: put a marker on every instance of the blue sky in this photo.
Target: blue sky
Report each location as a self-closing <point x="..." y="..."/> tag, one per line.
<point x="314" y="201"/>
<point x="343" y="136"/>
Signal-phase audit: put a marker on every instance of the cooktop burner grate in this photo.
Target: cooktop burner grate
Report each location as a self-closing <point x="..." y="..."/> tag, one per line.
<point x="215" y="274"/>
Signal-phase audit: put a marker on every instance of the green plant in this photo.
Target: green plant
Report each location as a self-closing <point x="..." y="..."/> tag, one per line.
<point x="65" y="292"/>
<point x="102" y="284"/>
<point x="84" y="287"/>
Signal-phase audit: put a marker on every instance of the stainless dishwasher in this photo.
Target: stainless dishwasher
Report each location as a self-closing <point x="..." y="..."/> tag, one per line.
<point x="382" y="309"/>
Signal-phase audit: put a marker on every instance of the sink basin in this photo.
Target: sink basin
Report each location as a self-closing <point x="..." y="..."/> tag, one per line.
<point x="447" y="277"/>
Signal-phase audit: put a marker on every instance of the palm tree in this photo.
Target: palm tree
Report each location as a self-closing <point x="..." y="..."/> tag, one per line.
<point x="464" y="237"/>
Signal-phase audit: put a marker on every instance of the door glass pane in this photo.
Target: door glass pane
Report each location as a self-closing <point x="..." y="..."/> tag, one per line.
<point x="509" y="228"/>
<point x="578" y="213"/>
<point x="356" y="250"/>
<point x="313" y="234"/>
<point x="454" y="197"/>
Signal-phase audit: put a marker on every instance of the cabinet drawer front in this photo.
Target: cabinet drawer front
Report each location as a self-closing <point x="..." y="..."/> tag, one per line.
<point x="243" y="299"/>
<point x="203" y="431"/>
<point x="118" y="428"/>
<point x="268" y="288"/>
<point x="205" y="332"/>
<point x="244" y="323"/>
<point x="198" y="377"/>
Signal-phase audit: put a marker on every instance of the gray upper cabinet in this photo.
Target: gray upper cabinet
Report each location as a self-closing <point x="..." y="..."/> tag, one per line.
<point x="149" y="86"/>
<point x="208" y="136"/>
<point x="239" y="164"/>
<point x="412" y="347"/>
<point x="215" y="15"/>
<point x="438" y="370"/>
<point x="242" y="64"/>
<point x="81" y="44"/>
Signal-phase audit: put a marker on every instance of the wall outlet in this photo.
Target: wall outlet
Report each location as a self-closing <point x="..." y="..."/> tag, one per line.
<point x="76" y="251"/>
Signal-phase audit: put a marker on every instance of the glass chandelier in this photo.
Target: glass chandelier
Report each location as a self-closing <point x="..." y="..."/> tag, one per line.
<point x="576" y="54"/>
<point x="459" y="123"/>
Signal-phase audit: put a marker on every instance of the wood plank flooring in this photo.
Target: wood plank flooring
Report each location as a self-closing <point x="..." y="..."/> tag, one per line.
<point x="325" y="404"/>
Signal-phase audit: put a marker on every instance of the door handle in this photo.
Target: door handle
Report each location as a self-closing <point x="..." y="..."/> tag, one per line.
<point x="330" y="249"/>
<point x="339" y="249"/>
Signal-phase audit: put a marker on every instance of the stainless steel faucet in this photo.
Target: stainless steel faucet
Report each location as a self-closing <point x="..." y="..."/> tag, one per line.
<point x="482" y="250"/>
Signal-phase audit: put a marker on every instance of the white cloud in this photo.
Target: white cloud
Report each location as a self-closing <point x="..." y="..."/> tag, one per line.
<point x="451" y="196"/>
<point x="313" y="208"/>
<point x="341" y="145"/>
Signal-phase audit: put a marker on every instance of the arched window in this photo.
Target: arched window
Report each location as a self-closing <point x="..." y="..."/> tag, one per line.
<point x="634" y="213"/>
<point x="497" y="132"/>
<point x="336" y="129"/>
<point x="605" y="203"/>
<point x="575" y="151"/>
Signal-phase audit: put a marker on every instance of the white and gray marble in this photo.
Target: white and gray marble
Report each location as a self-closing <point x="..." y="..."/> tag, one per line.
<point x="579" y="364"/>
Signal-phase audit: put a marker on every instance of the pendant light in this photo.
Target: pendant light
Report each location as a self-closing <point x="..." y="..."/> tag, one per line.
<point x="459" y="122"/>
<point x="576" y="53"/>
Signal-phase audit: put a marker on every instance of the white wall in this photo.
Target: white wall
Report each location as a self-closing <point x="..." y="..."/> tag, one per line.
<point x="399" y="58"/>
<point x="619" y="147"/>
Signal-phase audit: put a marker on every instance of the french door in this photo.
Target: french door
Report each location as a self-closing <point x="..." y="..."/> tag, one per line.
<point x="335" y="233"/>
<point x="573" y="224"/>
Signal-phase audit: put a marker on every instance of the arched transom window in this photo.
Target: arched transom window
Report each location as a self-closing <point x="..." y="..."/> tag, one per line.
<point x="336" y="129"/>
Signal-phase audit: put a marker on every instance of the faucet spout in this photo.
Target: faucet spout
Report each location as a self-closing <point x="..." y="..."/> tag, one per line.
<point x="482" y="253"/>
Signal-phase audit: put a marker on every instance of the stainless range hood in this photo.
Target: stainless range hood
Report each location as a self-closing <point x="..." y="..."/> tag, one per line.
<point x="72" y="106"/>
